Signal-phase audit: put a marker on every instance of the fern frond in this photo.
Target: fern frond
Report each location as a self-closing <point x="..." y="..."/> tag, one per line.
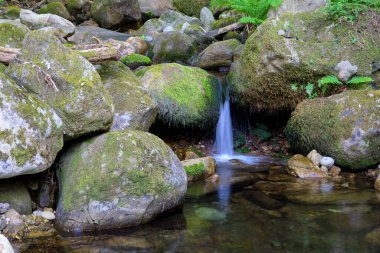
<point x="250" y="20"/>
<point x="360" y="80"/>
<point x="328" y="80"/>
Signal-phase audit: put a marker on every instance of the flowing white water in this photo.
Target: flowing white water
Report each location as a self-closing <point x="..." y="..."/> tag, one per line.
<point x="224" y="139"/>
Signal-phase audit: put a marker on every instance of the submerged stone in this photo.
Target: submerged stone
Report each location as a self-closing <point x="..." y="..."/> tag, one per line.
<point x="210" y="214"/>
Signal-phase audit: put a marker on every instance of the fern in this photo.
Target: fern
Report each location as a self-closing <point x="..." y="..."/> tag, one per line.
<point x="328" y="80"/>
<point x="255" y="11"/>
<point x="360" y="80"/>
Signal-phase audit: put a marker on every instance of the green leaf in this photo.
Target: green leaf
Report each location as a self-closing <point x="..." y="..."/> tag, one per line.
<point x="275" y="3"/>
<point x="360" y="80"/>
<point x="294" y="87"/>
<point x="309" y="88"/>
<point x="328" y="80"/>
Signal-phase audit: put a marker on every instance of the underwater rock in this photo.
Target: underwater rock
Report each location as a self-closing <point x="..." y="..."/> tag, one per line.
<point x="210" y="214"/>
<point x="117" y="179"/>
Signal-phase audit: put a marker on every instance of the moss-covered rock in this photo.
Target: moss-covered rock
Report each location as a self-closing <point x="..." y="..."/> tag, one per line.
<point x="345" y="127"/>
<point x="12" y="35"/>
<point x="2" y="68"/>
<point x="151" y="26"/>
<point x="12" y="12"/>
<point x="118" y="179"/>
<point x="134" y="108"/>
<point x="299" y="48"/>
<point x="56" y="8"/>
<point x="199" y="168"/>
<point x="15" y="193"/>
<point x="108" y="13"/>
<point x="191" y="7"/>
<point x="224" y="22"/>
<point x="219" y="54"/>
<point x="185" y="96"/>
<point x="76" y="4"/>
<point x="174" y="47"/>
<point x="77" y="94"/>
<point x="30" y="131"/>
<point x="134" y="61"/>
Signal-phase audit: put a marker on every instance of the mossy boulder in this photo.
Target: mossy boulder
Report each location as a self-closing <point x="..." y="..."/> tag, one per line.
<point x="118" y="179"/>
<point x="56" y="8"/>
<point x="109" y="13"/>
<point x="218" y="54"/>
<point x="30" y="131"/>
<point x="15" y="193"/>
<point x="12" y="12"/>
<point x="199" y="168"/>
<point x="186" y="96"/>
<point x="76" y="4"/>
<point x="76" y="93"/>
<point x="299" y="48"/>
<point x="174" y="47"/>
<point x="134" y="61"/>
<point x="345" y="127"/>
<point x="155" y="7"/>
<point x="12" y="35"/>
<point x="224" y="22"/>
<point x="134" y="108"/>
<point x="191" y="7"/>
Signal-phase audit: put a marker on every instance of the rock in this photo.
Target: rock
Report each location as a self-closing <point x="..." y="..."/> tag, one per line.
<point x="45" y="196"/>
<point x="185" y="96"/>
<point x="12" y="12"/>
<point x="16" y="194"/>
<point x="223" y="22"/>
<point x="150" y="27"/>
<point x="327" y="162"/>
<point x="48" y="215"/>
<point x="342" y="126"/>
<point x="12" y="35"/>
<point x="134" y="61"/>
<point x="139" y="44"/>
<point x="191" y="155"/>
<point x="85" y="34"/>
<point x="4" y="207"/>
<point x="334" y="171"/>
<point x="324" y="169"/>
<point x="173" y="47"/>
<point x="314" y="157"/>
<point x="263" y="200"/>
<point x="197" y="32"/>
<point x="78" y="96"/>
<point x="218" y="54"/>
<point x="15" y="224"/>
<point x="199" y="168"/>
<point x="110" y="13"/>
<point x="373" y="237"/>
<point x="210" y="214"/>
<point x="302" y="167"/>
<point x="155" y="7"/>
<point x="37" y="21"/>
<point x="295" y="6"/>
<point x="5" y="245"/>
<point x="56" y="8"/>
<point x="191" y="7"/>
<point x="271" y="63"/>
<point x="30" y="132"/>
<point x="76" y="4"/>
<point x="134" y="108"/>
<point x="345" y="70"/>
<point x="377" y="183"/>
<point x="177" y="19"/>
<point x="207" y="18"/>
<point x="118" y="179"/>
<point x="213" y="179"/>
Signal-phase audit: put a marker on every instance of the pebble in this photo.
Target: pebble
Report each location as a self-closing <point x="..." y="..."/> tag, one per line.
<point x="48" y="215"/>
<point x="327" y="162"/>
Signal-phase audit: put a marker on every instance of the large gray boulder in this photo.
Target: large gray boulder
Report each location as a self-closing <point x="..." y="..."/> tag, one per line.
<point x="12" y="34"/>
<point x="76" y="93"/>
<point x="345" y="127"/>
<point x="134" y="108"/>
<point x="86" y="34"/>
<point x="186" y="96"/>
<point x="118" y="179"/>
<point x="109" y="13"/>
<point x="299" y="48"/>
<point x="37" y="21"/>
<point x="30" y="132"/>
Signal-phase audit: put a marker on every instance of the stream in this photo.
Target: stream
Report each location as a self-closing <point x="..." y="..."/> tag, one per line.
<point x="254" y="207"/>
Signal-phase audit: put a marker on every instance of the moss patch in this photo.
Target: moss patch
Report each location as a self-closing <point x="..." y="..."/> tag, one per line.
<point x="136" y="60"/>
<point x="191" y="7"/>
<point x="56" y="8"/>
<point x="11" y="35"/>
<point x="195" y="169"/>
<point x="224" y="22"/>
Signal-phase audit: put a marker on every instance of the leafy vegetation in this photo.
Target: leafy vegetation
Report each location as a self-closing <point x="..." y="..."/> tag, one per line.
<point x="331" y="84"/>
<point x="255" y="11"/>
<point x="349" y="10"/>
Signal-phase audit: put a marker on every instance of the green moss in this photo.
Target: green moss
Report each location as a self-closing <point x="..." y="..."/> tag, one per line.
<point x="191" y="7"/>
<point x="56" y="8"/>
<point x="224" y="22"/>
<point x="195" y="169"/>
<point x="22" y="155"/>
<point x="136" y="60"/>
<point x="185" y="96"/>
<point x="2" y="67"/>
<point x="11" y="35"/>
<point x="12" y="12"/>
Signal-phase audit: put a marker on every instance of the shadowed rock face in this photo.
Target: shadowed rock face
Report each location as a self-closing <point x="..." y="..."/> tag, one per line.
<point x="345" y="127"/>
<point x="118" y="179"/>
<point x="30" y="131"/>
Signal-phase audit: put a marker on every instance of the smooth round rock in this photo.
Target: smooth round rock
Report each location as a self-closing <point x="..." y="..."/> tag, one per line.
<point x="327" y="162"/>
<point x="48" y="215"/>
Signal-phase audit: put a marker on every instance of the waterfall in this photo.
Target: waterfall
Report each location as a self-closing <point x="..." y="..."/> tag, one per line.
<point x="224" y="138"/>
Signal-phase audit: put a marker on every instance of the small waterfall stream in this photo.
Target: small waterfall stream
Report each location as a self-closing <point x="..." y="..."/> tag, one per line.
<point x="224" y="137"/>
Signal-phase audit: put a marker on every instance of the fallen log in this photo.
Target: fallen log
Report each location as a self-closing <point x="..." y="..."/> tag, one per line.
<point x="225" y="29"/>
